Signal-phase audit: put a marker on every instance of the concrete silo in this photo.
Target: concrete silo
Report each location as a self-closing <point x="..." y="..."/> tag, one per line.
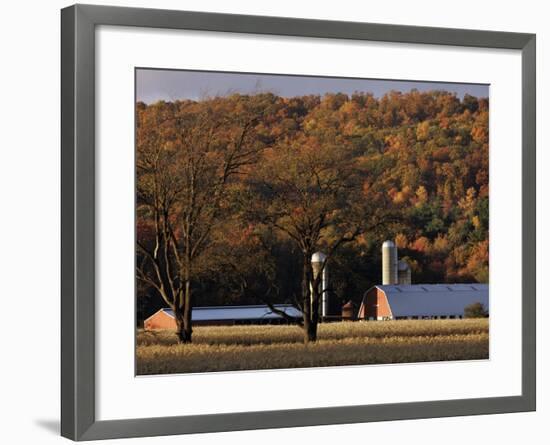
<point x="317" y="260"/>
<point x="403" y="272"/>
<point x="389" y="263"/>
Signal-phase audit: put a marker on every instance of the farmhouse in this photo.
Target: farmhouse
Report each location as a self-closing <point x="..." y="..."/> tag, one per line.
<point x="224" y="315"/>
<point x="418" y="301"/>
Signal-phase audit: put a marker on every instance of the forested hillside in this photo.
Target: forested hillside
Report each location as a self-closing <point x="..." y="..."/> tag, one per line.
<point x="234" y="192"/>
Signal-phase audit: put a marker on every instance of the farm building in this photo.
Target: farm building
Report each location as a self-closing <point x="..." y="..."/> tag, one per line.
<point x="416" y="301"/>
<point x="224" y="315"/>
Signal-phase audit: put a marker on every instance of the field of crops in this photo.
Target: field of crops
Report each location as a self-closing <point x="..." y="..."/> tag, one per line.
<point x="229" y="348"/>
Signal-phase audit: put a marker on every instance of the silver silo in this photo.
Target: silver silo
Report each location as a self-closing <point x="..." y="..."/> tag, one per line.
<point x="403" y="272"/>
<point x="317" y="260"/>
<point x="389" y="263"/>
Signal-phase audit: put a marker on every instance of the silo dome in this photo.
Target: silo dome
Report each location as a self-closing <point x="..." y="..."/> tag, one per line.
<point x="318" y="257"/>
<point x="404" y="272"/>
<point x="388" y="243"/>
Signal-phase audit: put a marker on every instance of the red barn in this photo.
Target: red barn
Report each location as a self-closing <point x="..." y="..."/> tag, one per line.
<point x="161" y="319"/>
<point x="414" y="301"/>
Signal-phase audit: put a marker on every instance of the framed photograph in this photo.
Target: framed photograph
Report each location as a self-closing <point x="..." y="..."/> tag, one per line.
<point x="320" y="211"/>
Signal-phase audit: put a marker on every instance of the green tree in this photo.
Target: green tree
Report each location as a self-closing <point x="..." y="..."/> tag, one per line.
<point x="475" y="310"/>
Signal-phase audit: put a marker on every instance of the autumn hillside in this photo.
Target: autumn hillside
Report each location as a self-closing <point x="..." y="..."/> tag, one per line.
<point x="412" y="167"/>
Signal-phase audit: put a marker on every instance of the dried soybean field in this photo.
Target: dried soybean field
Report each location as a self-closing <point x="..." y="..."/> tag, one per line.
<point x="231" y="348"/>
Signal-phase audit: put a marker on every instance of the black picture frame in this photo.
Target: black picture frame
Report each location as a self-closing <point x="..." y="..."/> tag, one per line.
<point x="78" y="23"/>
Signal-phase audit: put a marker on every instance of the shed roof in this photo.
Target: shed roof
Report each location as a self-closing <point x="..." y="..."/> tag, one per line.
<point x="221" y="313"/>
<point x="433" y="299"/>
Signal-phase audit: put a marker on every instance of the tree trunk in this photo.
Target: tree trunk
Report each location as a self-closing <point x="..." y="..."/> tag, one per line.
<point x="180" y="325"/>
<point x="314" y="314"/>
<point x="310" y="333"/>
<point x="188" y="306"/>
<point x="184" y="329"/>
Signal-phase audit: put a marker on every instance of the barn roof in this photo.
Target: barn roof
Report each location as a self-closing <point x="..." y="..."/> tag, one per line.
<point x="255" y="312"/>
<point x="433" y="299"/>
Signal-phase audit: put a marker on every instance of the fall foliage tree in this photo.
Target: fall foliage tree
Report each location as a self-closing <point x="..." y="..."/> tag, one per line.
<point x="235" y="193"/>
<point x="187" y="157"/>
<point x="311" y="190"/>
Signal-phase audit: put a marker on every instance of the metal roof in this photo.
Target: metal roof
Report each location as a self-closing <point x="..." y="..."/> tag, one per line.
<point x="221" y="313"/>
<point x="433" y="299"/>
